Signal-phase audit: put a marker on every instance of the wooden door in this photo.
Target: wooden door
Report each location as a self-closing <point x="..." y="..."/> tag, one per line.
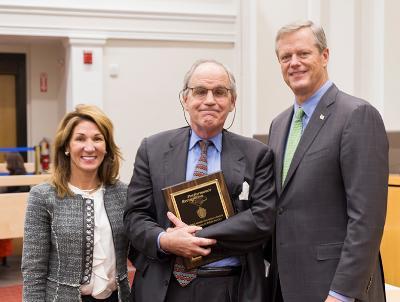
<point x="8" y="129"/>
<point x="13" y="102"/>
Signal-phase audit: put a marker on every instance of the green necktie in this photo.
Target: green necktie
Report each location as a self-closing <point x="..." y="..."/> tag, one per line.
<point x="293" y="141"/>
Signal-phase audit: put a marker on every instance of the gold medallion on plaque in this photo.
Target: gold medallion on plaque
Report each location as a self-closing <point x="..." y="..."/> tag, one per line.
<point x="198" y="201"/>
<point x="201" y="212"/>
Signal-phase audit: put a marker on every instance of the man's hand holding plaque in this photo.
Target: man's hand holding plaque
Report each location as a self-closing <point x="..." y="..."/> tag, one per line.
<point x="180" y="240"/>
<point x="200" y="202"/>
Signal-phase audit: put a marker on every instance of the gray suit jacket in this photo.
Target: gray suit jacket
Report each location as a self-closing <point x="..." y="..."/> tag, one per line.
<point x="54" y="244"/>
<point x="161" y="162"/>
<point x="331" y="209"/>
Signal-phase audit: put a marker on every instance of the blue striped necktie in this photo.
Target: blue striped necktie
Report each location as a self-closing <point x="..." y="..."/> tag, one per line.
<point x="182" y="275"/>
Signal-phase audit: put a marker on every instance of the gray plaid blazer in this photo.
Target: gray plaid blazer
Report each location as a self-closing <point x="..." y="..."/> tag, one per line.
<point x="53" y="252"/>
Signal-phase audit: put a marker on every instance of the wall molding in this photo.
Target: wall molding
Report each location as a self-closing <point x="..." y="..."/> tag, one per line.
<point x="117" y="24"/>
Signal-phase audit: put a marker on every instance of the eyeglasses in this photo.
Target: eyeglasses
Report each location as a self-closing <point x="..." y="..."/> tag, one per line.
<point x="202" y="92"/>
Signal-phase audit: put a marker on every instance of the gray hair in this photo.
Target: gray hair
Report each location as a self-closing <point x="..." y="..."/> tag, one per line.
<point x="188" y="76"/>
<point x="317" y="30"/>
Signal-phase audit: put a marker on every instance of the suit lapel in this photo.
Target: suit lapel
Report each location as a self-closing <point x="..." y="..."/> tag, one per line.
<point x="175" y="159"/>
<point x="318" y="119"/>
<point x="283" y="130"/>
<point x="232" y="163"/>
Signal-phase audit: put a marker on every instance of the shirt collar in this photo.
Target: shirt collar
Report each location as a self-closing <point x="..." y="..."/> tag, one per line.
<point x="310" y="104"/>
<point x="216" y="140"/>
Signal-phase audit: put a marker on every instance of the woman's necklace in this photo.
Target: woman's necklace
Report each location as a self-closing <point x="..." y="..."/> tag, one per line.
<point x="91" y="191"/>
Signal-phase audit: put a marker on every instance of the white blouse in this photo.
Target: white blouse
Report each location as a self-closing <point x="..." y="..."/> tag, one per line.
<point x="103" y="281"/>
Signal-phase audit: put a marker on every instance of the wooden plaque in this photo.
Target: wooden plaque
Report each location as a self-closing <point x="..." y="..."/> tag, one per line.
<point x="202" y="201"/>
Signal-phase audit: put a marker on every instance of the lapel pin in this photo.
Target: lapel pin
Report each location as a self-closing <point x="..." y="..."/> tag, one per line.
<point x="321" y="117"/>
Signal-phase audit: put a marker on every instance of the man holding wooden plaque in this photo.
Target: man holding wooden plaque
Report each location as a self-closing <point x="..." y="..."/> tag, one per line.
<point x="201" y="202"/>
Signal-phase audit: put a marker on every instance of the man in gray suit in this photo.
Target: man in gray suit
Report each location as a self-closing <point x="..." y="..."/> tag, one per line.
<point x="331" y="172"/>
<point x="171" y="157"/>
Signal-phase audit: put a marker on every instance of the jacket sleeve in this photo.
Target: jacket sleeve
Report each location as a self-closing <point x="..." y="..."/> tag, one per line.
<point x="140" y="222"/>
<point x="364" y="166"/>
<point x="36" y="247"/>
<point x="252" y="227"/>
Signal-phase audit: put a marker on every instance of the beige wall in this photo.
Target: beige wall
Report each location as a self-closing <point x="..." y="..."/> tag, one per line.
<point x="391" y="65"/>
<point x="273" y="94"/>
<point x="143" y="98"/>
<point x="46" y="107"/>
<point x="151" y="44"/>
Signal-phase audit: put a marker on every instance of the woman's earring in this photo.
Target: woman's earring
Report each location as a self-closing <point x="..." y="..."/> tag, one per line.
<point x="66" y="153"/>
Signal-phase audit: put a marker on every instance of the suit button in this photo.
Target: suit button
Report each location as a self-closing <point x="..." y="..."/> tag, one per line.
<point x="280" y="211"/>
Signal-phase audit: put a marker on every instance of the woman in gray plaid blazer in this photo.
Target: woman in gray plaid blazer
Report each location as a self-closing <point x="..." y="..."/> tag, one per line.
<point x="75" y="248"/>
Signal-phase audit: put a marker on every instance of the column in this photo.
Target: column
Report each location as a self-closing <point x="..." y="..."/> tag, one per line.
<point x="84" y="63"/>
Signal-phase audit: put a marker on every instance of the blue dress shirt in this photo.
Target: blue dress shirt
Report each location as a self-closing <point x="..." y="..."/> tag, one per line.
<point x="213" y="165"/>
<point x="213" y="154"/>
<point x="310" y="104"/>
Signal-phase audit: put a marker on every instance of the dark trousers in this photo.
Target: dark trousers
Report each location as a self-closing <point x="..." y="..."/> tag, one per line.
<point x="112" y="298"/>
<point x="205" y="289"/>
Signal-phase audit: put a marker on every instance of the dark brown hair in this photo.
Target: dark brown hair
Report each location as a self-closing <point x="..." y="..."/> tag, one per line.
<point x="15" y="164"/>
<point x="109" y="168"/>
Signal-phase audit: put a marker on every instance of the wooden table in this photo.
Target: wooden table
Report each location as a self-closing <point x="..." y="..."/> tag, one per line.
<point x="13" y="205"/>
<point x="23" y="180"/>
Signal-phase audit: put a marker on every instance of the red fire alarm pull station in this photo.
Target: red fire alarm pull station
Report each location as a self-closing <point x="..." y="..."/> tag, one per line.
<point x="87" y="57"/>
<point x="43" y="82"/>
